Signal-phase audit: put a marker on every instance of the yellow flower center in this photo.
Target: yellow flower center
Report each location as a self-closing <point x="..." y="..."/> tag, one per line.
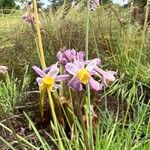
<point x="83" y="76"/>
<point x="48" y="82"/>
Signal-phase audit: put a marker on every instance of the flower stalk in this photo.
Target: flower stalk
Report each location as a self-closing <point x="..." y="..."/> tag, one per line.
<point x="39" y="38"/>
<point x="43" y="64"/>
<point x="61" y="147"/>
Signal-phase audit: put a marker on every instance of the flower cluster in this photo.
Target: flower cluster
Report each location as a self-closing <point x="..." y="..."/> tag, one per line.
<point x="70" y="56"/>
<point x="78" y="72"/>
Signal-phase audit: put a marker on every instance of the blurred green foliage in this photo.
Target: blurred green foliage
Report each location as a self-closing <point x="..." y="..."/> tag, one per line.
<point x="7" y="4"/>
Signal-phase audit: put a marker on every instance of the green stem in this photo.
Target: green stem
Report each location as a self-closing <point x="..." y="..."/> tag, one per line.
<point x="61" y="147"/>
<point x="90" y="127"/>
<point x="87" y="30"/>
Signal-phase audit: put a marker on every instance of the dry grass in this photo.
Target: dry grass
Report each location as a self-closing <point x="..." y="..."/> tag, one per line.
<point x="10" y="25"/>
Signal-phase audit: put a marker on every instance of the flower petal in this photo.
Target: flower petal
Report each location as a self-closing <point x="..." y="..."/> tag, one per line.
<point x="97" y="60"/>
<point x="75" y="84"/>
<point x="70" y="54"/>
<point x="92" y="72"/>
<point x="71" y="68"/>
<point x="53" y="71"/>
<point x="39" y="81"/>
<point x="59" y="56"/>
<point x="73" y="54"/>
<point x="109" y="75"/>
<point x="91" y="65"/>
<point x="39" y="71"/>
<point x="46" y="70"/>
<point x="95" y="85"/>
<point x="80" y="56"/>
<point x="104" y="81"/>
<point x="106" y="75"/>
<point x="67" y="54"/>
<point x="55" y="87"/>
<point x="79" y="64"/>
<point x="61" y="77"/>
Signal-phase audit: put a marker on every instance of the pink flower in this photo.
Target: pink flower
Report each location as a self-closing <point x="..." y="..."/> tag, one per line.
<point x="49" y="80"/>
<point x="70" y="56"/>
<point x="28" y="18"/>
<point x="82" y="75"/>
<point x="106" y="76"/>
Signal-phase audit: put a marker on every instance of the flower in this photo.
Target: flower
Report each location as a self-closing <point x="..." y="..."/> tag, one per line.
<point x="3" y="69"/>
<point x="94" y="4"/>
<point x="80" y="56"/>
<point x="107" y="76"/>
<point x="49" y="80"/>
<point x="70" y="56"/>
<point x="82" y="75"/>
<point x="28" y="17"/>
<point x="66" y="56"/>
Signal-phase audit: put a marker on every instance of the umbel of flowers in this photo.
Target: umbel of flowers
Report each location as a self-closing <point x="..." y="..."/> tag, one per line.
<point x="77" y="73"/>
<point x="82" y="72"/>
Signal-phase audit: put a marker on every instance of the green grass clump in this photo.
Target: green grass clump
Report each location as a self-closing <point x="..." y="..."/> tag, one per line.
<point x="13" y="91"/>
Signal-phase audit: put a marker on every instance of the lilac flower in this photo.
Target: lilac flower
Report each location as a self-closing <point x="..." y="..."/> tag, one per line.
<point x="70" y="56"/>
<point x="28" y="18"/>
<point x="49" y="80"/>
<point x="80" y="56"/>
<point x="3" y="69"/>
<point x="98" y="61"/>
<point x="94" y="4"/>
<point x="47" y="69"/>
<point x="82" y="75"/>
<point x="66" y="56"/>
<point x="107" y="76"/>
